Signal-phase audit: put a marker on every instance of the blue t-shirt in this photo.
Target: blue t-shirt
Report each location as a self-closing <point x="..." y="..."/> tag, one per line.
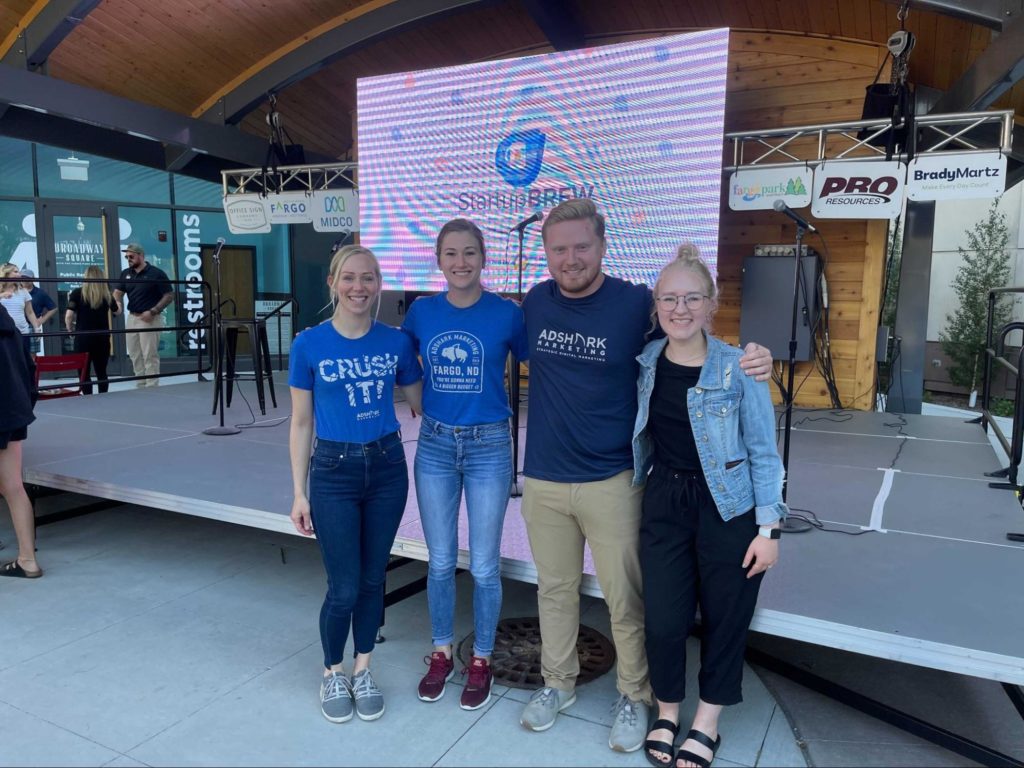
<point x="464" y="352"/>
<point x="353" y="380"/>
<point x="41" y="301"/>
<point x="583" y="373"/>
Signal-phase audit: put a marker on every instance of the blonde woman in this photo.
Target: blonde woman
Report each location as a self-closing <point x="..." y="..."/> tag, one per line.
<point x="342" y="376"/>
<point x="88" y="313"/>
<point x="18" y="303"/>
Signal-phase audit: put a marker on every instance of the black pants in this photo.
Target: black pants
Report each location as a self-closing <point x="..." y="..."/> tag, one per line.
<point x="690" y="556"/>
<point x="98" y="348"/>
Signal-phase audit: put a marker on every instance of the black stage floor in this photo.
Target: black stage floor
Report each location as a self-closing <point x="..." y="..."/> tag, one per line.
<point x="932" y="581"/>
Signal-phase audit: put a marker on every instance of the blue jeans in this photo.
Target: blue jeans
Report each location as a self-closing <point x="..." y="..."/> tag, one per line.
<point x="357" y="495"/>
<point x="448" y="459"/>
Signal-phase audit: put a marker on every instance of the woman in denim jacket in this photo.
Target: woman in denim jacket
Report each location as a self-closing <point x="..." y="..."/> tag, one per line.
<point x="711" y="509"/>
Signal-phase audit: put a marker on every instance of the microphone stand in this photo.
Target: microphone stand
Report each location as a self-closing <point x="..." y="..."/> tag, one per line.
<point x="218" y="333"/>
<point x="513" y="379"/>
<point x="789" y="525"/>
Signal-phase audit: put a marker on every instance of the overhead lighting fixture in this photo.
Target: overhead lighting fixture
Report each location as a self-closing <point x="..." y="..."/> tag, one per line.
<point x="80" y="226"/>
<point x="73" y="169"/>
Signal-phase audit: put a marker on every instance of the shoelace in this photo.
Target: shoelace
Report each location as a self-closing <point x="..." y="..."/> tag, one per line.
<point x="477" y="675"/>
<point x="626" y="711"/>
<point x="336" y="688"/>
<point x="544" y="695"/>
<point x="438" y="667"/>
<point x="364" y="686"/>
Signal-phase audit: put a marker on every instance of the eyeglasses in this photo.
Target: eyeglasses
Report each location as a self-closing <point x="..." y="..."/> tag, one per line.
<point x="692" y="301"/>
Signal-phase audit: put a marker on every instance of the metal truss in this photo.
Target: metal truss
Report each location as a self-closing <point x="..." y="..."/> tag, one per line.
<point x="289" y="178"/>
<point x="959" y="133"/>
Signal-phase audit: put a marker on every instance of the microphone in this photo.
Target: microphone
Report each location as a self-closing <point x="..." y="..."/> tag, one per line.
<point x="528" y="221"/>
<point x="781" y="207"/>
<point x="220" y="244"/>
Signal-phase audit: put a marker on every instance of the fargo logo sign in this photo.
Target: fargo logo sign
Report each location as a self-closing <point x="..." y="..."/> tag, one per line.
<point x="519" y="157"/>
<point x="757" y="189"/>
<point x="858" y="190"/>
<point x="956" y="177"/>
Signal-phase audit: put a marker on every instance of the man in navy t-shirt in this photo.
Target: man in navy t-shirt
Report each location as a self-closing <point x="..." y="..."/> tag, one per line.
<point x="584" y="331"/>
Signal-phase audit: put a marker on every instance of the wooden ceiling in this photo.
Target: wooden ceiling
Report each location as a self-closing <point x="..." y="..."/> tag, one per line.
<point x="181" y="55"/>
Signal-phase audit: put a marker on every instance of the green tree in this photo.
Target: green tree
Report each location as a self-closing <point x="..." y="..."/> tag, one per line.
<point x="985" y="264"/>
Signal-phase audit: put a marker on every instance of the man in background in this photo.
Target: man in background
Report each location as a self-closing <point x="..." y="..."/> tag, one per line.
<point x="42" y="303"/>
<point x="149" y="292"/>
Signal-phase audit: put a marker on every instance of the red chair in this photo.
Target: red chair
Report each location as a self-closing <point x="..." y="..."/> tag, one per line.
<point x="77" y="362"/>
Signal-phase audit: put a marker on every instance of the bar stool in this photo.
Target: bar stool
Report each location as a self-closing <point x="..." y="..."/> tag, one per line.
<point x="257" y="330"/>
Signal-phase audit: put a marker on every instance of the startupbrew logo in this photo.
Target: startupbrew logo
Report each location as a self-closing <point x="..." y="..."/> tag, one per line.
<point x="519" y="157"/>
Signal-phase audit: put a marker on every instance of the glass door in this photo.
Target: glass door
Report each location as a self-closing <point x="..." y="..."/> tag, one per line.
<point x="73" y="237"/>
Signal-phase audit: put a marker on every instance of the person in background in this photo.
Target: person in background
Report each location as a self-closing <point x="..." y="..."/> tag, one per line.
<point x="42" y="304"/>
<point x="18" y="303"/>
<point x="712" y="507"/>
<point x="89" y="309"/>
<point x="18" y="387"/>
<point x="464" y="336"/>
<point x="342" y="376"/>
<point x="585" y="329"/>
<point x="149" y="293"/>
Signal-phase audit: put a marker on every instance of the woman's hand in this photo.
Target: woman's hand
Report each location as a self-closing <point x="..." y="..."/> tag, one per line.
<point x="763" y="553"/>
<point x="300" y="516"/>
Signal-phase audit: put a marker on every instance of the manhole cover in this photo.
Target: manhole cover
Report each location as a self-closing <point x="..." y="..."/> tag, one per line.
<point x="516" y="659"/>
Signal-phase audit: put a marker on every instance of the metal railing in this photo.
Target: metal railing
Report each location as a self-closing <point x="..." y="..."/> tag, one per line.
<point x="995" y="347"/>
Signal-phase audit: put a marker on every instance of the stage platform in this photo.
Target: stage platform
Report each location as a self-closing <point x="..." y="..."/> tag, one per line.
<point x="930" y="579"/>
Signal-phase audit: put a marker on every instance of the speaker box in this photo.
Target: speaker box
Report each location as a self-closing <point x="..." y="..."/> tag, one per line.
<point x="766" y="307"/>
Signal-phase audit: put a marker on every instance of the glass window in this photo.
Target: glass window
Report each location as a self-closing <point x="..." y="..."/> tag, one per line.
<point x="98" y="178"/>
<point x="144" y="226"/>
<point x="18" y="235"/>
<point x="16" y="162"/>
<point x="190" y="191"/>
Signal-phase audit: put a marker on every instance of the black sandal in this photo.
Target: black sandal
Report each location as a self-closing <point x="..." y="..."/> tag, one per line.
<point x="700" y="738"/>
<point x="661" y="746"/>
<point x="14" y="569"/>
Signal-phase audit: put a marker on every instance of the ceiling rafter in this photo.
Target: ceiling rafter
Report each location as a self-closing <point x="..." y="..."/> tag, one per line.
<point x="41" y="30"/>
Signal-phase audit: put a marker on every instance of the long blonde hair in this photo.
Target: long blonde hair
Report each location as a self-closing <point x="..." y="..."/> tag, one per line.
<point x="7" y="285"/>
<point x="94" y="294"/>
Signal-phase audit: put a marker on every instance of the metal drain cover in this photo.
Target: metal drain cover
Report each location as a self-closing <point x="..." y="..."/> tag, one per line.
<point x="516" y="658"/>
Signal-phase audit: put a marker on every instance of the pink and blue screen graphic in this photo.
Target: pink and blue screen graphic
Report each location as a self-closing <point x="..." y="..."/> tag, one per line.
<point x="637" y="127"/>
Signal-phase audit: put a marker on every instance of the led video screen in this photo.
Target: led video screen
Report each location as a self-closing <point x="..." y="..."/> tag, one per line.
<point x="637" y="127"/>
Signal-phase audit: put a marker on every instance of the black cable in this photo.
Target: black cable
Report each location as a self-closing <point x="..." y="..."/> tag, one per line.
<point x="812" y="520"/>
<point x="252" y="424"/>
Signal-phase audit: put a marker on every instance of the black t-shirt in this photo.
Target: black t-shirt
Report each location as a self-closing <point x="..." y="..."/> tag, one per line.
<point x="669" y="421"/>
<point x="87" y="317"/>
<point x="17" y="378"/>
<point x="145" y="288"/>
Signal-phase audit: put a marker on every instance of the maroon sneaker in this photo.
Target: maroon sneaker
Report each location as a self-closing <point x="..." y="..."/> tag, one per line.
<point x="478" y="688"/>
<point x="442" y="669"/>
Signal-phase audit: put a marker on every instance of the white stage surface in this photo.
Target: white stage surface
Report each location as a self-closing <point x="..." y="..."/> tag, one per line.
<point x="933" y="582"/>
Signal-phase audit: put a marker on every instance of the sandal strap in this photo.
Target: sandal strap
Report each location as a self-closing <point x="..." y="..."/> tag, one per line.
<point x="690" y="757"/>
<point x="666" y="725"/>
<point x="702" y="738"/>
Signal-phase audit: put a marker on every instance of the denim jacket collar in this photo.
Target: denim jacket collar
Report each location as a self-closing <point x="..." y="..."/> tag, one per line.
<point x="711" y="375"/>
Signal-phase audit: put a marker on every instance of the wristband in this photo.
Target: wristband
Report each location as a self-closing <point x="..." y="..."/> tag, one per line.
<point x="769" y="533"/>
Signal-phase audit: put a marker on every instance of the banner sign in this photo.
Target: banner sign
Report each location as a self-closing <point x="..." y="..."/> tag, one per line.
<point x="757" y="189"/>
<point x="858" y="190"/>
<point x="335" y="210"/>
<point x="956" y="177"/>
<point x="246" y="214"/>
<point x="289" y="208"/>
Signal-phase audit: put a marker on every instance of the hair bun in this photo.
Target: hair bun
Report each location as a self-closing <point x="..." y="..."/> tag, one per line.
<point x="688" y="252"/>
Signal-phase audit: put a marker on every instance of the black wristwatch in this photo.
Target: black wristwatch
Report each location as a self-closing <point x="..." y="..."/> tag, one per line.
<point x="769" y="533"/>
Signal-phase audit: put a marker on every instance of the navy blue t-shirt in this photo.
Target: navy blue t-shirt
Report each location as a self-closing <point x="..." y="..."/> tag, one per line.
<point x="41" y="301"/>
<point x="464" y="352"/>
<point x="583" y="373"/>
<point x="353" y="380"/>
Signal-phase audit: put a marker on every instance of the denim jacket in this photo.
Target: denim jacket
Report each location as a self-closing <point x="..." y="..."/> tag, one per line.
<point x="733" y="423"/>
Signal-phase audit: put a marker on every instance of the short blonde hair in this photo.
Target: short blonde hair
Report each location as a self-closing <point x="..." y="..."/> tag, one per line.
<point x="341" y="256"/>
<point x="577" y="209"/>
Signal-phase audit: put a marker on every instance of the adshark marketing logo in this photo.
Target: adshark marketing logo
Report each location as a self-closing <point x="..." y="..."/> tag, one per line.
<point x="519" y="157"/>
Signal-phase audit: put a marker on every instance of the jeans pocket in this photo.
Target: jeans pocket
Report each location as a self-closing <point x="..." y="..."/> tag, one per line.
<point x="395" y="454"/>
<point x="324" y="462"/>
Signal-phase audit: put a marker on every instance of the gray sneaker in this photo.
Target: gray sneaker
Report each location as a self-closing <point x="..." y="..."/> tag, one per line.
<point x="369" y="699"/>
<point x="630" y="727"/>
<point x="544" y="705"/>
<point x="336" y="698"/>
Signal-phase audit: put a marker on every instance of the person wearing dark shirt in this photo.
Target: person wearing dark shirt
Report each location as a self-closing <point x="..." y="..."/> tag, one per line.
<point x="149" y="292"/>
<point x="42" y="304"/>
<point x="584" y="331"/>
<point x="89" y="309"/>
<point x="18" y="397"/>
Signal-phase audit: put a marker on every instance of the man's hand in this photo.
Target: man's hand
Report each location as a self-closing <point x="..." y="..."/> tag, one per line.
<point x="757" y="361"/>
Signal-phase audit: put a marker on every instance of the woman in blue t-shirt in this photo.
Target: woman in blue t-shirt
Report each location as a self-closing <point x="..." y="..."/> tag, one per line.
<point x="464" y="336"/>
<point x="342" y="376"/>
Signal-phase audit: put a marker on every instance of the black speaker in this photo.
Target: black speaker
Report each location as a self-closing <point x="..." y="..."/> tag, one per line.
<point x="766" y="306"/>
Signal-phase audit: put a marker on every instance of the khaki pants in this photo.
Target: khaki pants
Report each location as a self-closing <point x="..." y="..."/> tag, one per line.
<point x="143" y="348"/>
<point x="560" y="517"/>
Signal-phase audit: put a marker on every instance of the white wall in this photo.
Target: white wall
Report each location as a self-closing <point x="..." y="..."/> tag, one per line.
<point x="953" y="218"/>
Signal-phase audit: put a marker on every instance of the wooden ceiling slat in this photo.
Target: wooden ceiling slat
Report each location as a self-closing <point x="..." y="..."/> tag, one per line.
<point x="833" y="25"/>
<point x="879" y="21"/>
<point x="861" y="19"/>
